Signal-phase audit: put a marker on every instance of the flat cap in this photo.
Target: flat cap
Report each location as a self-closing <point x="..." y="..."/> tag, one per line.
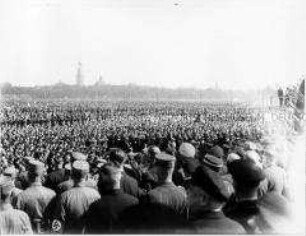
<point x="187" y="150"/>
<point x="165" y="160"/>
<point x="110" y="170"/>
<point x="216" y="151"/>
<point x="212" y="161"/>
<point x="246" y="172"/>
<point x="212" y="183"/>
<point x="78" y="156"/>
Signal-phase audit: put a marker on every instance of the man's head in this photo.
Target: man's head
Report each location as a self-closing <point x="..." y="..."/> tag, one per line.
<point x="109" y="178"/>
<point x="10" y="173"/>
<point x="187" y="150"/>
<point x="247" y="175"/>
<point x="80" y="171"/>
<point x="6" y="188"/>
<point x="253" y="156"/>
<point x="165" y="165"/>
<point x="213" y="190"/>
<point x="153" y="151"/>
<point x="36" y="170"/>
<point x="117" y="157"/>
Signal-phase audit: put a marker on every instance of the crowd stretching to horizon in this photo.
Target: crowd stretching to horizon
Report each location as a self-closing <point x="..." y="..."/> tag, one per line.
<point x="140" y="167"/>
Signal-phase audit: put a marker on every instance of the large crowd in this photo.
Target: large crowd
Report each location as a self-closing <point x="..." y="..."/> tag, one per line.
<point x="140" y="167"/>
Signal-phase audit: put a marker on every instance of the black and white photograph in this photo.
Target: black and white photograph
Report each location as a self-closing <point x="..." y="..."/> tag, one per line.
<point x="152" y="117"/>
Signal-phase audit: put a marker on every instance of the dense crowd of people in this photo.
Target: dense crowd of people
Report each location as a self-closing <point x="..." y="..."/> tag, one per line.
<point x="139" y="167"/>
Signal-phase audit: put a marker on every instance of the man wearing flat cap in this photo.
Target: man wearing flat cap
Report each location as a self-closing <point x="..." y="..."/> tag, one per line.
<point x="207" y="196"/>
<point x="74" y="203"/>
<point x="12" y="221"/>
<point x="243" y="204"/>
<point x="36" y="198"/>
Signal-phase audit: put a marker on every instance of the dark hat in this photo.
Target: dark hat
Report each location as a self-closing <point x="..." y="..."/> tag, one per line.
<point x="246" y="172"/>
<point x="110" y="170"/>
<point x="118" y="156"/>
<point x="165" y="160"/>
<point x="77" y="156"/>
<point x="216" y="151"/>
<point x="36" y="167"/>
<point x="212" y="183"/>
<point x="212" y="161"/>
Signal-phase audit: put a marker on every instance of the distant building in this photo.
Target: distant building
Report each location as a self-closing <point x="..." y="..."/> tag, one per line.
<point x="79" y="76"/>
<point x="100" y="81"/>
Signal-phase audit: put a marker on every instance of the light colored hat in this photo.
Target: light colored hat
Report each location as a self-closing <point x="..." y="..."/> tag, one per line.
<point x="10" y="171"/>
<point x="254" y="156"/>
<point x="81" y="166"/>
<point x="36" y="167"/>
<point x="187" y="150"/>
<point x="232" y="156"/>
<point x="77" y="156"/>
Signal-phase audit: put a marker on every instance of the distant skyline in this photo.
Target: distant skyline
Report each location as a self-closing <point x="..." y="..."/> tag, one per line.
<point x="164" y="43"/>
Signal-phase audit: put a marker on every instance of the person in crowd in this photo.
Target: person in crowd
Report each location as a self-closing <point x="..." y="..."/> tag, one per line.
<point x="69" y="183"/>
<point x="22" y="181"/>
<point x="243" y="204"/>
<point x="106" y="214"/>
<point x="206" y="215"/>
<point x="12" y="221"/>
<point x="35" y="199"/>
<point x="276" y="177"/>
<point x="186" y="165"/>
<point x="129" y="185"/>
<point x="10" y="174"/>
<point x="73" y="204"/>
<point x="280" y="94"/>
<point x="57" y="176"/>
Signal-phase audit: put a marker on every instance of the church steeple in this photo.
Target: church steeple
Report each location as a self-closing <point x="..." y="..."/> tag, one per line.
<point x="79" y="75"/>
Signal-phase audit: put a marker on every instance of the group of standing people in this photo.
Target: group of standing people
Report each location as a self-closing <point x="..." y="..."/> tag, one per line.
<point x="176" y="190"/>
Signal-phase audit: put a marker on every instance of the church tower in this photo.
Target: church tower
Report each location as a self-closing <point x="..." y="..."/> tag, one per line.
<point x="79" y="76"/>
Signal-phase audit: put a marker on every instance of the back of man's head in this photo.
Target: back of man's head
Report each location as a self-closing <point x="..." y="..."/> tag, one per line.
<point x="6" y="188"/>
<point x="247" y="175"/>
<point x="117" y="157"/>
<point x="109" y="178"/>
<point x="80" y="170"/>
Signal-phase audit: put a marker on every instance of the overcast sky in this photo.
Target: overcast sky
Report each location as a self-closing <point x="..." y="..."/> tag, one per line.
<point x="194" y="43"/>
